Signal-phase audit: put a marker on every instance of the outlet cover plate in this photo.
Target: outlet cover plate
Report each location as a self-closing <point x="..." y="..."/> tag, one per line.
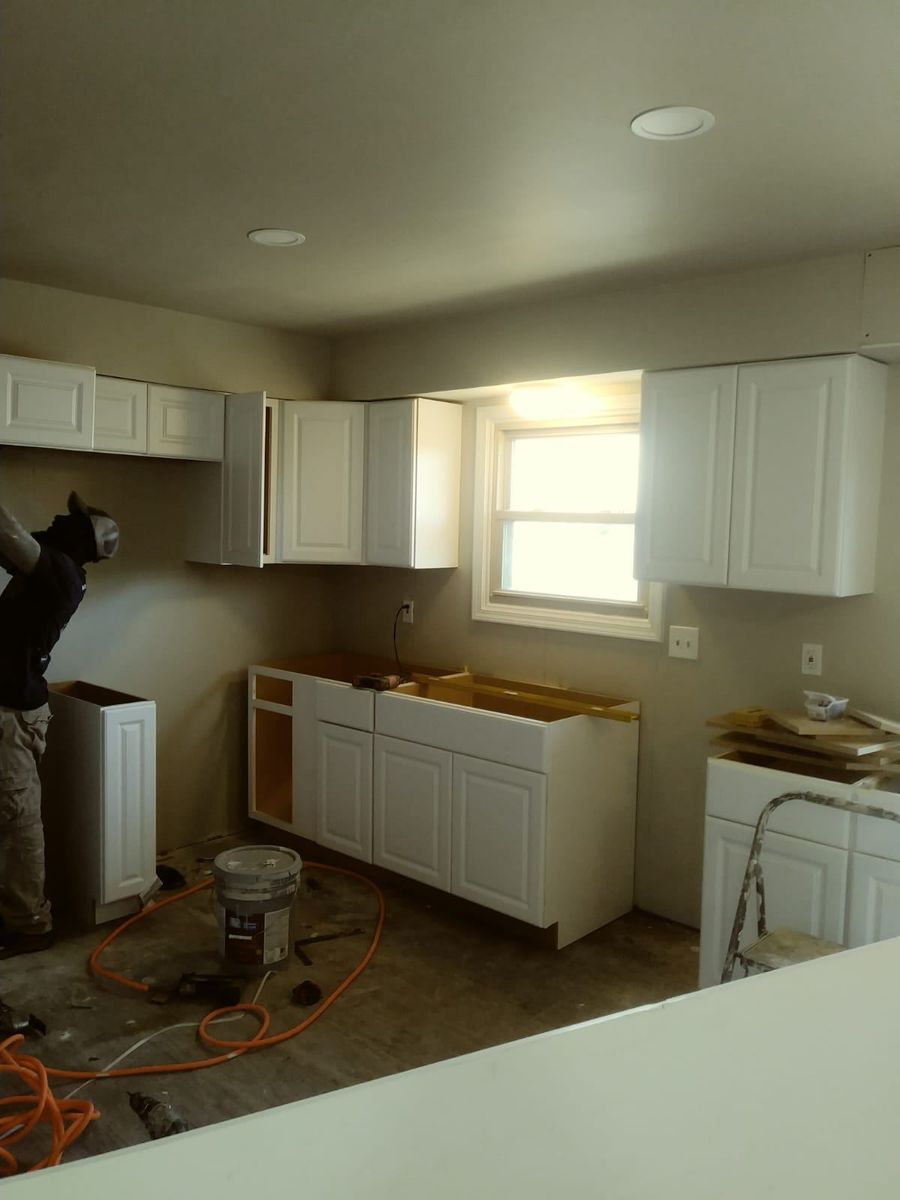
<point x="811" y="659"/>
<point x="684" y="641"/>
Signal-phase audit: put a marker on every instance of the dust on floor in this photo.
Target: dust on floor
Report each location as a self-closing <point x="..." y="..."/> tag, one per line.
<point x="441" y="985"/>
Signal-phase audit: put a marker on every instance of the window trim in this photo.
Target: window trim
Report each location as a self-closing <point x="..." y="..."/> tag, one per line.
<point x="491" y="423"/>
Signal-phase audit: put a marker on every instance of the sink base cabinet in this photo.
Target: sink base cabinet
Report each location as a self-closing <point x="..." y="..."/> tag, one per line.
<point x="817" y="879"/>
<point x="552" y="846"/>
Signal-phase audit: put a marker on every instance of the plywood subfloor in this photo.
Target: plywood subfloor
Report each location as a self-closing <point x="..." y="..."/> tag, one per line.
<point x="441" y="985"/>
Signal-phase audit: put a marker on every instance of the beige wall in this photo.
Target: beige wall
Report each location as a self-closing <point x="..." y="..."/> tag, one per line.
<point x="749" y="642"/>
<point x="180" y="633"/>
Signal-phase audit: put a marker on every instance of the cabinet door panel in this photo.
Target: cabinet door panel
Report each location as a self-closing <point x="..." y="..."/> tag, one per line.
<point x="499" y="824"/>
<point x="128" y="860"/>
<point x="787" y="475"/>
<point x="391" y="468"/>
<point x="243" y="479"/>
<point x="120" y="416"/>
<point x="874" y="912"/>
<point x="412" y="811"/>
<point x="321" y="494"/>
<point x="182" y="423"/>
<point x="344" y="790"/>
<point x="46" y="404"/>
<point x="806" y="890"/>
<point x="687" y="434"/>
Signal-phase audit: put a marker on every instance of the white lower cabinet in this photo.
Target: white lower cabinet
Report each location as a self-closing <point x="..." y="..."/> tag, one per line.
<point x="805" y="883"/>
<point x="832" y="874"/>
<point x="128" y="857"/>
<point x="499" y="819"/>
<point x="874" y="911"/>
<point x="344" y="790"/>
<point x="411" y="806"/>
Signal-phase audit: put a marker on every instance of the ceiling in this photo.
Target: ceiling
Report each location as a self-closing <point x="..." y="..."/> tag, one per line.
<point x="435" y="153"/>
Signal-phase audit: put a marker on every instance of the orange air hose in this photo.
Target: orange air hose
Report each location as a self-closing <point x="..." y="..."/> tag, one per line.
<point x="69" y="1118"/>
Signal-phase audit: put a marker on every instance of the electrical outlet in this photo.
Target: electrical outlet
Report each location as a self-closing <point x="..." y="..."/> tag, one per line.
<point x="409" y="612"/>
<point x="811" y="659"/>
<point x="684" y="641"/>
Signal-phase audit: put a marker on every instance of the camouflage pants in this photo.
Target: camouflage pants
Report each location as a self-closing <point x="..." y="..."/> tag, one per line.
<point x="23" y="738"/>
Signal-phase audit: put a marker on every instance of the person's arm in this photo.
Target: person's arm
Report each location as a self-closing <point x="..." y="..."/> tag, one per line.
<point x="19" y="551"/>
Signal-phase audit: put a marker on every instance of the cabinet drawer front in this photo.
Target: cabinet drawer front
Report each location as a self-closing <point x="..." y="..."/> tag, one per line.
<point x="412" y="810"/>
<point x="129" y="801"/>
<point x="344" y="705"/>
<point x="874" y="912"/>
<point x="120" y="416"/>
<point x="739" y="792"/>
<point x="499" y="837"/>
<point x="46" y="404"/>
<point x="513" y="740"/>
<point x="806" y="890"/>
<point x="789" y="439"/>
<point x="185" y="424"/>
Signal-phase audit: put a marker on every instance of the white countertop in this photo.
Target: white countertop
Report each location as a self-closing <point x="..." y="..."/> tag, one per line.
<point x="783" y="1086"/>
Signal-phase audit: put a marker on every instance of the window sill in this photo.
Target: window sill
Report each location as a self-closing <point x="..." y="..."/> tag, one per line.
<point x="646" y="627"/>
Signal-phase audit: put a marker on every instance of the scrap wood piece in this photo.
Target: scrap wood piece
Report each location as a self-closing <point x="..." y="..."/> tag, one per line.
<point x="577" y="707"/>
<point x="885" y="724"/>
<point x="734" y="741"/>
<point x="801" y="724"/>
<point x="839" y="747"/>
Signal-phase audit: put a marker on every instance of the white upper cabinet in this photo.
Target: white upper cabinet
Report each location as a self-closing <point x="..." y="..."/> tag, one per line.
<point x="320" y="510"/>
<point x="120" y="416"/>
<point x="184" y="423"/>
<point x="766" y="476"/>
<point x="413" y="468"/>
<point x="46" y="404"/>
<point x="687" y="439"/>
<point x="245" y="472"/>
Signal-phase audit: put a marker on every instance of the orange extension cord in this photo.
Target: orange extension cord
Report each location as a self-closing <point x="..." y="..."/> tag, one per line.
<point x="68" y="1119"/>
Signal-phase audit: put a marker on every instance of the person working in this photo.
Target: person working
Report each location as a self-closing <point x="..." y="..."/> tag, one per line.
<point x="47" y="585"/>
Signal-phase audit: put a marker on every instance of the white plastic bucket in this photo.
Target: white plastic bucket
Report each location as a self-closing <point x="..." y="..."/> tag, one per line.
<point x="255" y="891"/>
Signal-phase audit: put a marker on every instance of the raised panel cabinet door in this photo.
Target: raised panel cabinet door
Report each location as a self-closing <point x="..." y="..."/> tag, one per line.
<point x="344" y="790"/>
<point x="46" y="404"/>
<point x="789" y="440"/>
<point x="120" y="416"/>
<point x="390" y="470"/>
<point x="321" y="486"/>
<point x="874" y="912"/>
<point x="244" y="479"/>
<point x="684" y="495"/>
<point x="128" y="856"/>
<point x="411" y="808"/>
<point x="498" y="839"/>
<point x="806" y="890"/>
<point x="183" y="423"/>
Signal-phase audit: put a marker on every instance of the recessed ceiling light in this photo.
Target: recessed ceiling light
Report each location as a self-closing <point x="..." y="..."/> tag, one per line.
<point x="276" y="237"/>
<point x="671" y="123"/>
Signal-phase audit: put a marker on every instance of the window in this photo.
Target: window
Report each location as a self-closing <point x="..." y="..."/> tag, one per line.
<point x="554" y="523"/>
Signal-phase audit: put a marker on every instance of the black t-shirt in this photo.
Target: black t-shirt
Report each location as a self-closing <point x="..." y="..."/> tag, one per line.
<point x="34" y="610"/>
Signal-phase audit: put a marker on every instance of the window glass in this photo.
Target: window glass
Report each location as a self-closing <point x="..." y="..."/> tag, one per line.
<point x="574" y="473"/>
<point x="578" y="559"/>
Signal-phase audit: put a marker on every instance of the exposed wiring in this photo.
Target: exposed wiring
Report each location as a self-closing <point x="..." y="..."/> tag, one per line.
<point x="68" y="1118"/>
<point x="397" y="615"/>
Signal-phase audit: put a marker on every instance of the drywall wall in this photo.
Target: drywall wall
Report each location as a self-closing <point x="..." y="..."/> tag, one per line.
<point x="182" y="634"/>
<point x="749" y="642"/>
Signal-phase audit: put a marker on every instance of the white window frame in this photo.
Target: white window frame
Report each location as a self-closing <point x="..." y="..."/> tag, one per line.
<point x="642" y="621"/>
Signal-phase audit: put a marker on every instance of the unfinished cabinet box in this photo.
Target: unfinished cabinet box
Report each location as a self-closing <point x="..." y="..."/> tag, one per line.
<point x="46" y="403"/>
<point x="185" y="423"/>
<point x="413" y="479"/>
<point x="120" y="416"/>
<point x="99" y="801"/>
<point x="763" y="476"/>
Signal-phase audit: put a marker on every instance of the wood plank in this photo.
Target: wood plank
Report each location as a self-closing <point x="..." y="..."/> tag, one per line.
<point x="829" y="746"/>
<point x="733" y="741"/>
<point x="800" y="723"/>
<point x="575" y="707"/>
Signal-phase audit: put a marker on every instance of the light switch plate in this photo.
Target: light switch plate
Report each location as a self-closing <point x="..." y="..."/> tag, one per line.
<point x="684" y="641"/>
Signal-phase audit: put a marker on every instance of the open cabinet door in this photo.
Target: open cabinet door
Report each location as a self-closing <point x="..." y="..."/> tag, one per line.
<point x="244" y="480"/>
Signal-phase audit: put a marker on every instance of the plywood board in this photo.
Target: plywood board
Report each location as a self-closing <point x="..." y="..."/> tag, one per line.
<point x="885" y="724"/>
<point x="837" y="747"/>
<point x="736" y="741"/>
<point x="800" y="723"/>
